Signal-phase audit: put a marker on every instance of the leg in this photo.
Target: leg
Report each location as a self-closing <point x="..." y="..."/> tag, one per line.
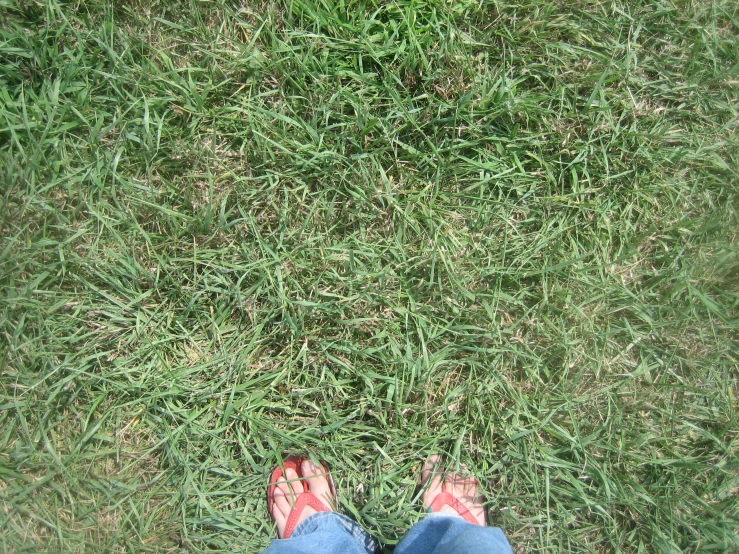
<point x="447" y="534"/>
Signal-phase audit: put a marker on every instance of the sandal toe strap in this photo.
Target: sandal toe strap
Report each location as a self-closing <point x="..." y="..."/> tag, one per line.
<point x="305" y="499"/>
<point x="447" y="499"/>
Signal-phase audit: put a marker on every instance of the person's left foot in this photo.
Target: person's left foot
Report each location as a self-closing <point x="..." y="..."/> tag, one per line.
<point x="463" y="489"/>
<point x="290" y="487"/>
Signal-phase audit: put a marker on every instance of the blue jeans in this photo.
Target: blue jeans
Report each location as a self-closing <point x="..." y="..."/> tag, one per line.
<point x="332" y="533"/>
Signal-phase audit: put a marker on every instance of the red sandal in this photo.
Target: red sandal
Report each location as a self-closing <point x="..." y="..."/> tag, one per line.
<point x="445" y="498"/>
<point x="307" y="498"/>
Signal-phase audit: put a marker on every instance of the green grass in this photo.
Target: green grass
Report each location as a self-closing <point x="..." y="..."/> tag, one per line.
<point x="507" y="230"/>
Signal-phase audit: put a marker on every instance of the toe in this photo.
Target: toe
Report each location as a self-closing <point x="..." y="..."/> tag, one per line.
<point x="452" y="484"/>
<point x="463" y="487"/>
<point x="284" y="497"/>
<point x="291" y="485"/>
<point x="435" y="487"/>
<point x="429" y="467"/>
<point x="317" y="479"/>
<point x="432" y="477"/>
<point x="280" y="509"/>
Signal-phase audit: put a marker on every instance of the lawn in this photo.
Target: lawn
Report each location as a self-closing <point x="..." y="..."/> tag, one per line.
<point x="503" y="230"/>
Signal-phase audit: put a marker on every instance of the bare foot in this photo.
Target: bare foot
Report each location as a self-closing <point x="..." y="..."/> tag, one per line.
<point x="290" y="487"/>
<point x="463" y="489"/>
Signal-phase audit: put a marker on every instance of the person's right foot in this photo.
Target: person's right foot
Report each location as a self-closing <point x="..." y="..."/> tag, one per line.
<point x="464" y="489"/>
<point x="289" y="488"/>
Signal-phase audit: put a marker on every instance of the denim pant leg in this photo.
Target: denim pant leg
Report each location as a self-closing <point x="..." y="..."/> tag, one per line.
<point x="325" y="533"/>
<point x="448" y="534"/>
